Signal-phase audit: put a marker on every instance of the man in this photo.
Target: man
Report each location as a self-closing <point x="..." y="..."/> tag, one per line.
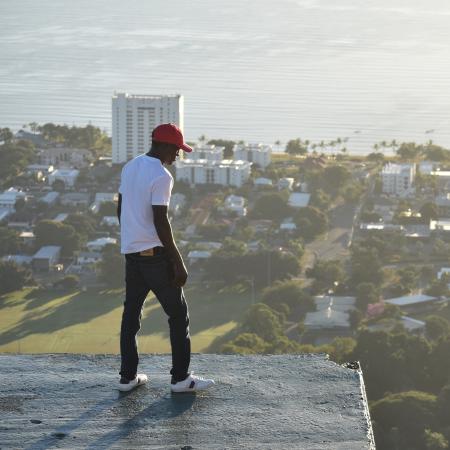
<point x="153" y="262"/>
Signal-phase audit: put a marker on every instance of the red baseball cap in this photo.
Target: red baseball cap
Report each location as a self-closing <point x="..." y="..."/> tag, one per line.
<point x="170" y="134"/>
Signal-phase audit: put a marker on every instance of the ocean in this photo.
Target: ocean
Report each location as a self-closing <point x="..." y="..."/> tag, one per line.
<point x="256" y="70"/>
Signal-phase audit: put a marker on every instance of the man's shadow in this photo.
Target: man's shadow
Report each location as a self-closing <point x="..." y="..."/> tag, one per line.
<point x="124" y="405"/>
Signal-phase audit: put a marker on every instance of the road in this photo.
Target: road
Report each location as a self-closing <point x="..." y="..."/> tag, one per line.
<point x="334" y="244"/>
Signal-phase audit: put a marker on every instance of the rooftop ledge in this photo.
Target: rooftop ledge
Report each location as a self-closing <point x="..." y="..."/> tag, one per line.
<point x="269" y="402"/>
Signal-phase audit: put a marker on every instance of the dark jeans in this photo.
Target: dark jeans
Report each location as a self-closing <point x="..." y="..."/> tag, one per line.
<point x="145" y="273"/>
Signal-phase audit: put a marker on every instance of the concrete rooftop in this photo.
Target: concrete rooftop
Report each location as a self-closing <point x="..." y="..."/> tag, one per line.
<point x="259" y="402"/>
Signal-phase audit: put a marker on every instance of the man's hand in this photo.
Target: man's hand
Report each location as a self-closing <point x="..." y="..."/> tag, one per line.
<point x="180" y="273"/>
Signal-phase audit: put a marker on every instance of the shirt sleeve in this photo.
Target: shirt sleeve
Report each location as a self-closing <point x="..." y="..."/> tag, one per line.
<point x="161" y="190"/>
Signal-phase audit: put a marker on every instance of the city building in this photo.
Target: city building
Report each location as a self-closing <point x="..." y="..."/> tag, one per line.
<point x="103" y="197"/>
<point x="9" y="197"/>
<point x="135" y="116"/>
<point x="205" y="151"/>
<point x="331" y="319"/>
<point x="261" y="181"/>
<point x="235" y="203"/>
<point x="46" y="257"/>
<point x="415" y="302"/>
<point x="299" y="199"/>
<point x="67" y="176"/>
<point x="50" y="198"/>
<point x="397" y="179"/>
<point x="225" y="172"/>
<point x="61" y="156"/>
<point x="255" y="153"/>
<point x="285" y="183"/>
<point x="177" y="203"/>
<point x="99" y="244"/>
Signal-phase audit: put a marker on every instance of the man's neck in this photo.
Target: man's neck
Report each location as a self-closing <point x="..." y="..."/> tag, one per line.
<point x="154" y="155"/>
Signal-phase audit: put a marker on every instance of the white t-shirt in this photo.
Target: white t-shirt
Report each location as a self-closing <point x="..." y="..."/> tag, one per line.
<point x="144" y="182"/>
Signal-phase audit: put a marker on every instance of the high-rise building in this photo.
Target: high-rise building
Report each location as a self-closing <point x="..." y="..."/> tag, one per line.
<point x="135" y="116"/>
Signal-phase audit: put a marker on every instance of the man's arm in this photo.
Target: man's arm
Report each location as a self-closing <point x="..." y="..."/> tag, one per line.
<point x="119" y="206"/>
<point x="164" y="231"/>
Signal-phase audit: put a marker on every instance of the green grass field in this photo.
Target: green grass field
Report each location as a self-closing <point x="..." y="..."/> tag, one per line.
<point x="33" y="321"/>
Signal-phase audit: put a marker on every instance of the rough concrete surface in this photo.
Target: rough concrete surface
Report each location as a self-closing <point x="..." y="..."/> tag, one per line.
<point x="259" y="402"/>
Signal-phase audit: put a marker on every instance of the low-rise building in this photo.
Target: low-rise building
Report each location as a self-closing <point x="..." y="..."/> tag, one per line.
<point x="9" y="198"/>
<point x="331" y="319"/>
<point x="177" y="202"/>
<point x="39" y="170"/>
<point x="225" y="172"/>
<point x="27" y="237"/>
<point x="441" y="225"/>
<point x="103" y="197"/>
<point x="75" y="199"/>
<point x="20" y="260"/>
<point x="110" y="221"/>
<point x="286" y="183"/>
<point x="99" y="244"/>
<point x="255" y="153"/>
<point x="86" y="258"/>
<point x="198" y="255"/>
<point x="46" y="257"/>
<point x="61" y="217"/>
<point x="288" y="225"/>
<point x="50" y="198"/>
<point x="299" y="199"/>
<point x="264" y="182"/>
<point x="67" y="176"/>
<point x="415" y="303"/>
<point x="236" y="204"/>
<point x="64" y="156"/>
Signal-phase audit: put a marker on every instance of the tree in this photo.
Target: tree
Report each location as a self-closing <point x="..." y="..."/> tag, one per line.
<point x="69" y="282"/>
<point x="365" y="266"/>
<point x="326" y="274"/>
<point x="434" y="440"/>
<point x="13" y="277"/>
<point x="6" y="135"/>
<point x="335" y="178"/>
<point x="437" y="327"/>
<point x="9" y="241"/>
<point x="228" y="151"/>
<point x="410" y="412"/>
<point x="290" y="293"/>
<point x="429" y="211"/>
<point x="366" y="293"/>
<point x="296" y="147"/>
<point x="111" y="267"/>
<point x="272" y="206"/>
<point x="107" y="209"/>
<point x="263" y="321"/>
<point x="311" y="222"/>
<point x="49" y="232"/>
<point x="408" y="150"/>
<point x="245" y="343"/>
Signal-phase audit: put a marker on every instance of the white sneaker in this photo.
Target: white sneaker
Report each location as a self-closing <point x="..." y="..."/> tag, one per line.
<point x="192" y="383"/>
<point x="141" y="378"/>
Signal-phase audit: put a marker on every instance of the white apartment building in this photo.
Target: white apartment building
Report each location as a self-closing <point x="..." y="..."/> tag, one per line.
<point x="225" y="172"/>
<point x="135" y="116"/>
<point x="208" y="152"/>
<point x="257" y="153"/>
<point x="397" y="179"/>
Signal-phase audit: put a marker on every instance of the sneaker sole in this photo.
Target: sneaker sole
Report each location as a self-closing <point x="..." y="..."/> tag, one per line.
<point x="187" y="390"/>
<point x="128" y="387"/>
